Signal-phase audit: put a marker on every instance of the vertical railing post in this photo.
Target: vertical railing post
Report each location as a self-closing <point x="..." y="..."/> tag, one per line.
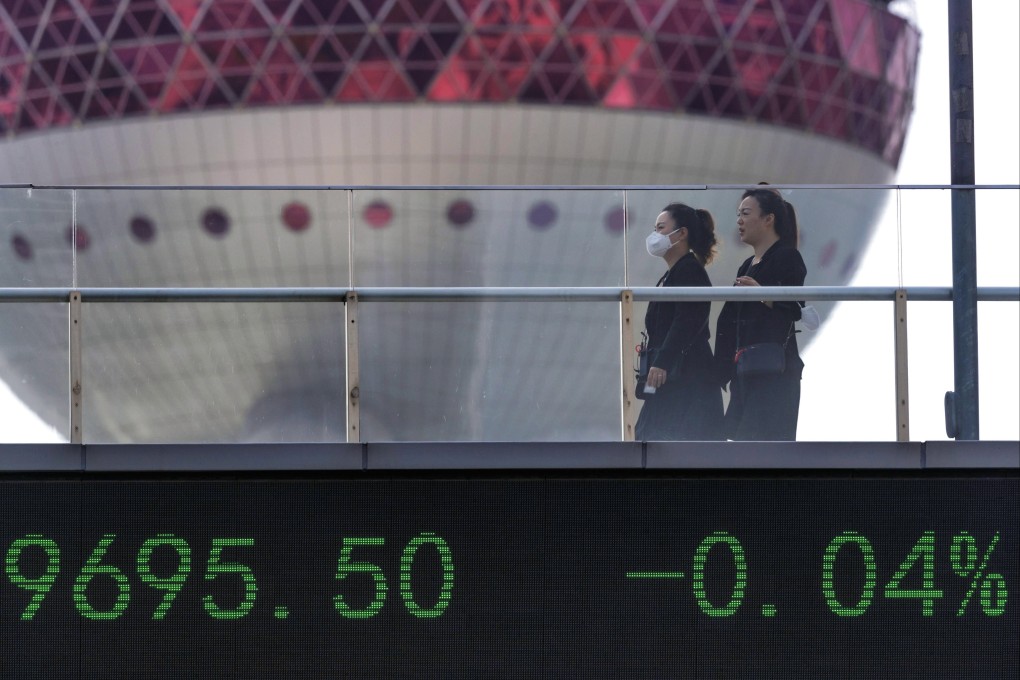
<point x="352" y="369"/>
<point x="902" y="382"/>
<point x="74" y="367"/>
<point x="627" y="403"/>
<point x="964" y="399"/>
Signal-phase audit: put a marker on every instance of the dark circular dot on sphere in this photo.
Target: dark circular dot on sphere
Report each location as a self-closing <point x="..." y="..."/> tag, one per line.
<point x="377" y="214"/>
<point x="22" y="247"/>
<point x="78" y="237"/>
<point x="296" y="216"/>
<point x="215" y="222"/>
<point x="616" y="221"/>
<point x="142" y="229"/>
<point x="460" y="213"/>
<point x="542" y="215"/>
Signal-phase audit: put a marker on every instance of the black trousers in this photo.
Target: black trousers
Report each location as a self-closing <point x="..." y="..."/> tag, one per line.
<point x="688" y="408"/>
<point x="764" y="407"/>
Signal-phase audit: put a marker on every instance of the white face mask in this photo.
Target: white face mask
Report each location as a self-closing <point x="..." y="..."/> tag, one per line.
<point x="809" y="317"/>
<point x="658" y="244"/>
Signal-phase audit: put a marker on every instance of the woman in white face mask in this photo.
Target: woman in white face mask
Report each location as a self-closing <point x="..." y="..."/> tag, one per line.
<point x="682" y="397"/>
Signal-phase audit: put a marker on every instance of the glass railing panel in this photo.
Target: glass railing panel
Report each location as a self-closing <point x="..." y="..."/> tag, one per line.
<point x="35" y="252"/>
<point x="927" y="237"/>
<point x="926" y="228"/>
<point x="999" y="370"/>
<point x="35" y="228"/>
<point x="490" y="371"/>
<point x="998" y="242"/>
<point x="34" y="405"/>
<point x="930" y="351"/>
<point x="214" y="372"/>
<point x="848" y="387"/>
<point x="863" y="246"/>
<point x="471" y="238"/>
<point x="212" y="238"/>
<point x="998" y="237"/>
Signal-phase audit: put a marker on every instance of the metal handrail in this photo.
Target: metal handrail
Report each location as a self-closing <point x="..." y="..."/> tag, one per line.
<point x="501" y="293"/>
<point x="490" y="187"/>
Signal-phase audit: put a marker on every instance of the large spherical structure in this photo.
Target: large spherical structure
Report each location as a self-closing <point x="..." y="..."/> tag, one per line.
<point x="401" y="92"/>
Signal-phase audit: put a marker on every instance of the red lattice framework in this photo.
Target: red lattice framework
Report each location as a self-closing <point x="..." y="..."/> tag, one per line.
<point x="840" y="68"/>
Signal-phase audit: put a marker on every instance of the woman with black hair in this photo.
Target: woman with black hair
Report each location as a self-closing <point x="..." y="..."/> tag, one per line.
<point x="763" y="405"/>
<point x="687" y="402"/>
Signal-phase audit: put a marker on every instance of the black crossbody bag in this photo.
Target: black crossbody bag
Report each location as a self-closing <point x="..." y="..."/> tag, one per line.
<point x="763" y="358"/>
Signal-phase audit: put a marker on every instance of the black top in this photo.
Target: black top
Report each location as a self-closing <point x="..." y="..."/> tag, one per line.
<point x="746" y="323"/>
<point x="673" y="326"/>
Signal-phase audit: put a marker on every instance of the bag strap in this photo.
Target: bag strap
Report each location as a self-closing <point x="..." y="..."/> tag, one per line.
<point x="683" y="354"/>
<point x="696" y="336"/>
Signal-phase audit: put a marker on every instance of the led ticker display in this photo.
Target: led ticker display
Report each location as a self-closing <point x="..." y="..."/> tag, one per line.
<point x="524" y="577"/>
<point x="963" y="559"/>
<point x="171" y="578"/>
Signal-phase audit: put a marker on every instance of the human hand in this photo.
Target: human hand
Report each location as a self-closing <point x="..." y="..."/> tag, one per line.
<point x="656" y="377"/>
<point x="748" y="280"/>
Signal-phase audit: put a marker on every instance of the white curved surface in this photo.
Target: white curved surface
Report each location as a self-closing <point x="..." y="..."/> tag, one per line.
<point x="448" y="372"/>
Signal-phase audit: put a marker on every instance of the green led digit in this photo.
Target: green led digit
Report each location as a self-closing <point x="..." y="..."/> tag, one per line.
<point x="40" y="585"/>
<point x="217" y="567"/>
<point x="345" y="567"/>
<point x="698" y="577"/>
<point x="828" y="567"/>
<point x="92" y="569"/>
<point x="923" y="550"/>
<point x="171" y="584"/>
<point x="445" y="559"/>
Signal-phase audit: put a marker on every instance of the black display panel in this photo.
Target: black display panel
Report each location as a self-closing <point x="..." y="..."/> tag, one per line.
<point x="655" y="577"/>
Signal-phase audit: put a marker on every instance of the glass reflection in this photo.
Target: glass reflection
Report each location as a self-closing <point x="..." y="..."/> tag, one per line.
<point x="207" y="238"/>
<point x="490" y="371"/>
<point x="214" y="372"/>
<point x="488" y="238"/>
<point x="33" y="364"/>
<point x="35" y="250"/>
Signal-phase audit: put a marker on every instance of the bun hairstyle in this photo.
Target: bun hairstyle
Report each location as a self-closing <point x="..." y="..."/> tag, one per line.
<point x="700" y="229"/>
<point x="772" y="202"/>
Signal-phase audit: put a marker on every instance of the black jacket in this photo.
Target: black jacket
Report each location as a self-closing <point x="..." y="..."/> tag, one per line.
<point x="746" y="323"/>
<point x="674" y="327"/>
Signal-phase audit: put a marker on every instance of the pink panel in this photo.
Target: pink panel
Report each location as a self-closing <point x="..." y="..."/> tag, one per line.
<point x="186" y="11"/>
<point x="373" y="82"/>
<point x="858" y="36"/>
<point x="232" y="15"/>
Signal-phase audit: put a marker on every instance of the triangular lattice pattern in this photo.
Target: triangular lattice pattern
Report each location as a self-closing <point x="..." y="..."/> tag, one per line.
<point x="839" y="68"/>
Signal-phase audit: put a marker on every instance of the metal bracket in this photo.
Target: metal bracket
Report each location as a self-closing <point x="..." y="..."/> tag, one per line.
<point x="352" y="369"/>
<point x="902" y="382"/>
<point x="628" y="417"/>
<point x="74" y="372"/>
